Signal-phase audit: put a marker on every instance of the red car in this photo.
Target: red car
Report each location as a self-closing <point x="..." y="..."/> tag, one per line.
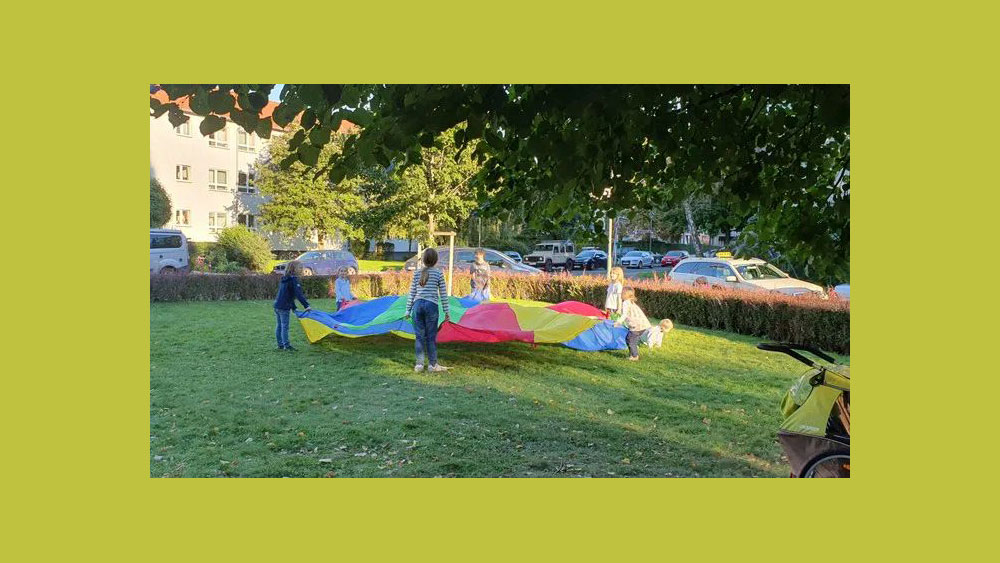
<point x="673" y="257"/>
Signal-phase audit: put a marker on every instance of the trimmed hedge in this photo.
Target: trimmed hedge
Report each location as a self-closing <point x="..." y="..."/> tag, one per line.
<point x="822" y="323"/>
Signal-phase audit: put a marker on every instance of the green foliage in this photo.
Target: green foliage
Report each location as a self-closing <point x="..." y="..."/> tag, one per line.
<point x="772" y="155"/>
<point x="239" y="247"/>
<point x="825" y="324"/>
<point x="436" y="186"/>
<point x="159" y="204"/>
<point x="298" y="199"/>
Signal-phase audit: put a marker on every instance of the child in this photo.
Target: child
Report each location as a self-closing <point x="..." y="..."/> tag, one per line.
<point x="288" y="291"/>
<point x="427" y="290"/>
<point x="636" y="321"/>
<point x="613" y="301"/>
<point x="654" y="336"/>
<point x="342" y="288"/>
<point x="480" y="271"/>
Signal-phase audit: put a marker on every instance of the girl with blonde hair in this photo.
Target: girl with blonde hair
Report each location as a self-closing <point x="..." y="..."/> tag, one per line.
<point x="613" y="300"/>
<point x="635" y="320"/>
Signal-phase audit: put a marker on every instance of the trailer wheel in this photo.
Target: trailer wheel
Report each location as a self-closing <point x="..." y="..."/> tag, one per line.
<point x="836" y="466"/>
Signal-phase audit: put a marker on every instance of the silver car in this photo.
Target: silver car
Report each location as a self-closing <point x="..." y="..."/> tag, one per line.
<point x="465" y="256"/>
<point x="637" y="259"/>
<point x="323" y="263"/>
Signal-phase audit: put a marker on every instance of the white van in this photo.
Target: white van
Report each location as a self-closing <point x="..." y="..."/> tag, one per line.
<point x="168" y="252"/>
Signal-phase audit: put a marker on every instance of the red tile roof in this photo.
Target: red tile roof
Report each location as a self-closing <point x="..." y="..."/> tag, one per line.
<point x="266" y="111"/>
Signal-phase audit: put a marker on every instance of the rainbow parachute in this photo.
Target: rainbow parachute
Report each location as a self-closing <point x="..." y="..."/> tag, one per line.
<point x="571" y="323"/>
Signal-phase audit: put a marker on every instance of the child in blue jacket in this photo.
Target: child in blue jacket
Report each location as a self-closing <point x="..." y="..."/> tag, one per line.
<point x="288" y="291"/>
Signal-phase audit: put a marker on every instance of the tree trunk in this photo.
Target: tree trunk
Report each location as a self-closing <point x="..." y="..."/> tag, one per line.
<point x="691" y="226"/>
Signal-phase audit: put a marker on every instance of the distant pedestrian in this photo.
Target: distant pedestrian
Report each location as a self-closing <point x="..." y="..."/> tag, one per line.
<point x="289" y="289"/>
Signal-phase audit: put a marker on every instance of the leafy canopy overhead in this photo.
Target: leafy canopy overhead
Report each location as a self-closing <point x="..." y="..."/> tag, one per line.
<point x="775" y="156"/>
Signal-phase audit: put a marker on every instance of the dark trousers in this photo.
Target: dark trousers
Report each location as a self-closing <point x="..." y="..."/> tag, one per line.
<point x="425" y="325"/>
<point x="281" y="332"/>
<point x="632" y="339"/>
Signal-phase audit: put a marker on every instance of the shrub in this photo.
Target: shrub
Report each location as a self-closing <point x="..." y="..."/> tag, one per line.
<point x="243" y="247"/>
<point x="822" y="323"/>
<point x="159" y="204"/>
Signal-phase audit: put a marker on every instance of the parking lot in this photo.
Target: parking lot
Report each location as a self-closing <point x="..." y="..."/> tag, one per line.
<point x="629" y="272"/>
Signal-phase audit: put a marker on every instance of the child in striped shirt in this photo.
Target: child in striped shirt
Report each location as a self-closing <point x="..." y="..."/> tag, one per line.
<point x="427" y="290"/>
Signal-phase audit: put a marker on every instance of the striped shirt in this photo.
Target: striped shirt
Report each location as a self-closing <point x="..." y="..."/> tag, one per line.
<point x="434" y="290"/>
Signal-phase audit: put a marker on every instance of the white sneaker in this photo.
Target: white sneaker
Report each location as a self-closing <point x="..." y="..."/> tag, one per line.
<point x="418" y="367"/>
<point x="438" y="367"/>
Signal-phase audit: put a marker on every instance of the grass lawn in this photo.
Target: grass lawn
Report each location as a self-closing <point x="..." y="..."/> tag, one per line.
<point x="379" y="265"/>
<point x="224" y="402"/>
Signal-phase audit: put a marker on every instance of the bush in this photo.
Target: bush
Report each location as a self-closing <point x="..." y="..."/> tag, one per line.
<point x="240" y="246"/>
<point x="822" y="323"/>
<point x="159" y="204"/>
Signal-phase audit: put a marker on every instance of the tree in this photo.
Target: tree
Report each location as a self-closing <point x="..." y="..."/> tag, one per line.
<point x="244" y="248"/>
<point x="434" y="191"/>
<point x="301" y="201"/>
<point x="159" y="204"/>
<point x="772" y="152"/>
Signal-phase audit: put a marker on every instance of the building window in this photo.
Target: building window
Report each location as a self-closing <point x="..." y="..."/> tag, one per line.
<point x="245" y="141"/>
<point x="218" y="180"/>
<point x="183" y="173"/>
<point x="216" y="221"/>
<point x="245" y="182"/>
<point x="219" y="139"/>
<point x="184" y="128"/>
<point x="182" y="217"/>
<point x="247" y="220"/>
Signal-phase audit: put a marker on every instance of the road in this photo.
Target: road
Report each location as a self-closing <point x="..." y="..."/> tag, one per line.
<point x="629" y="272"/>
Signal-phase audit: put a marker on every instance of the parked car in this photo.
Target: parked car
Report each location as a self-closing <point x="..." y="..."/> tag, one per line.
<point x="515" y="256"/>
<point x="550" y="254"/>
<point x="622" y="251"/>
<point x="673" y="257"/>
<point x="751" y="274"/>
<point x="168" y="252"/>
<point x="591" y="259"/>
<point x="465" y="256"/>
<point x="843" y="290"/>
<point x="323" y="263"/>
<point x="637" y="259"/>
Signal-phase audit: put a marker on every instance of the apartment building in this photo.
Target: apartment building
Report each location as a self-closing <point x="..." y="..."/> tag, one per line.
<point x="210" y="180"/>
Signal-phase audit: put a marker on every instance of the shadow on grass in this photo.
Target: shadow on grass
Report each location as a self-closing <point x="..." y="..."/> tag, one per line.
<point x="224" y="404"/>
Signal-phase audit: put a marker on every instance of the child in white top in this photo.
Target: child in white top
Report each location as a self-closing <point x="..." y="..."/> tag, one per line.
<point x="636" y="321"/>
<point x="613" y="301"/>
<point x="342" y="288"/>
<point x="654" y="336"/>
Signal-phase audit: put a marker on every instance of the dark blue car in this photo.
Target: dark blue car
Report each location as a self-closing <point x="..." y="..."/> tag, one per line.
<point x="591" y="259"/>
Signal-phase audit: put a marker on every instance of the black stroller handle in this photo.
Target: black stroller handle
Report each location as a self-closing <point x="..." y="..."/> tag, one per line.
<point x="790" y="349"/>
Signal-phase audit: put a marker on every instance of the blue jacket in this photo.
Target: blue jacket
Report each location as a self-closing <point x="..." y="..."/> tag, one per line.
<point x="288" y="291"/>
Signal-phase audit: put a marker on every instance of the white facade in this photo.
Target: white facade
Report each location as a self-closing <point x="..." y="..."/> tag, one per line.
<point x="210" y="180"/>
